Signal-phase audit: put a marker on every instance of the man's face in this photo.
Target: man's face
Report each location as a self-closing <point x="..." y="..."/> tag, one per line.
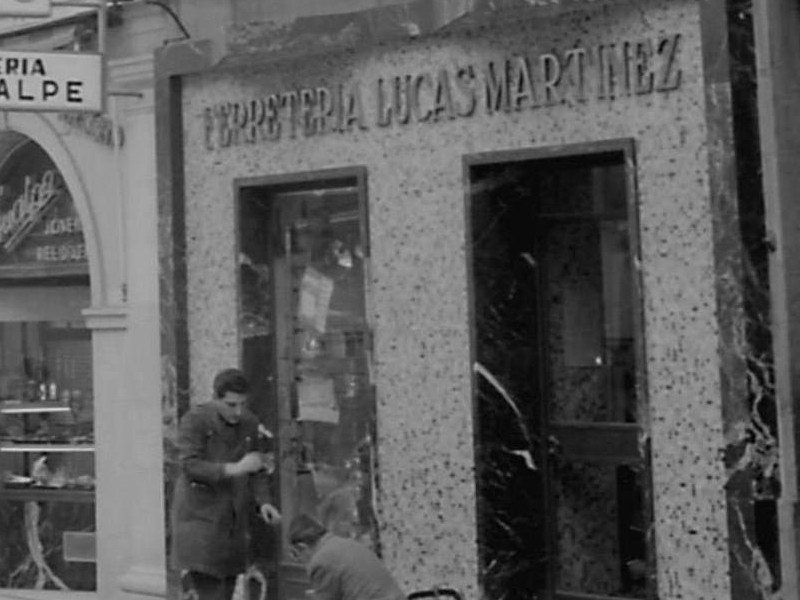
<point x="231" y="406"/>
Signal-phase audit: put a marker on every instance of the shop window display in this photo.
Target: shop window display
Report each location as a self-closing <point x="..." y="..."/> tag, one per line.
<point x="46" y="455"/>
<point x="47" y="484"/>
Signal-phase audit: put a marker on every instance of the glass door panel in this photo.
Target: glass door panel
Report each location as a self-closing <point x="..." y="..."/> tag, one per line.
<point x="310" y="343"/>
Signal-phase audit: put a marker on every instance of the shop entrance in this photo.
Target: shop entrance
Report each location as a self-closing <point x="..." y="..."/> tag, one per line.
<point x="563" y="475"/>
<point x="306" y="348"/>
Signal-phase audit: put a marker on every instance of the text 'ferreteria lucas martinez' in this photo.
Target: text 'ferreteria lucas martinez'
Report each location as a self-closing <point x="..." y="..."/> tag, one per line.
<point x="517" y="83"/>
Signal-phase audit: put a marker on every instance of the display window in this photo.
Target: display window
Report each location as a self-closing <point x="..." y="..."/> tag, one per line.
<point x="47" y="476"/>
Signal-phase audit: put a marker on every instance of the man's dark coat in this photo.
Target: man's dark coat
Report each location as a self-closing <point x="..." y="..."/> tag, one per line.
<point x="210" y="511"/>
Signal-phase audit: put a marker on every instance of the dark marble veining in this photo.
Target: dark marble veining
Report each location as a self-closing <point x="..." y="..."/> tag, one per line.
<point x="31" y="545"/>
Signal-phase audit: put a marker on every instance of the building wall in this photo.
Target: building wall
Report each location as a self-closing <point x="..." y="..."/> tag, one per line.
<point x="419" y="290"/>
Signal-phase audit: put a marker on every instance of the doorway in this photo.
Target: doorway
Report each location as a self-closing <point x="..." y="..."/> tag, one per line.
<point x="306" y="348"/>
<point x="563" y="469"/>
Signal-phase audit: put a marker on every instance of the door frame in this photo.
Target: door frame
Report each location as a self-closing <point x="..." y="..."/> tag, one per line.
<point x="291" y="577"/>
<point x="627" y="147"/>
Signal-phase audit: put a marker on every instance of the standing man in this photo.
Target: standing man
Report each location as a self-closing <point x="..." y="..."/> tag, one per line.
<point x="222" y="478"/>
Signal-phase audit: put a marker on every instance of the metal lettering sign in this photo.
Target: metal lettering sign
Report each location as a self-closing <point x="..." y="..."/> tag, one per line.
<point x="51" y="81"/>
<point x="25" y="8"/>
<point x="571" y="75"/>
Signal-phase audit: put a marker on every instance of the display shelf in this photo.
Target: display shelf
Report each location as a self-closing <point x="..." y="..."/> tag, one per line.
<point x="14" y="447"/>
<point x="46" y="495"/>
<point x="26" y="408"/>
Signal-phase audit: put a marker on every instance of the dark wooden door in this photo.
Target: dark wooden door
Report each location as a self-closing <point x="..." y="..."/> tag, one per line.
<point x="563" y="473"/>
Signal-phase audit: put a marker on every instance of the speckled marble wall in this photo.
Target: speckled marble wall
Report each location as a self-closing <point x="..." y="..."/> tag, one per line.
<point x="419" y="292"/>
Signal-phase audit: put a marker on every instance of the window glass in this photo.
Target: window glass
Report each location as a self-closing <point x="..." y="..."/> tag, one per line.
<point x="47" y="516"/>
<point x="46" y="456"/>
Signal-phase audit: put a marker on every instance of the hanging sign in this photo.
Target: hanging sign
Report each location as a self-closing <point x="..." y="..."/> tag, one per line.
<point x="25" y="8"/>
<point x="51" y="81"/>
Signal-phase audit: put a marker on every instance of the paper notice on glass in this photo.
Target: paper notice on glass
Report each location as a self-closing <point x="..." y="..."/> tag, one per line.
<point x="315" y="298"/>
<point x="316" y="400"/>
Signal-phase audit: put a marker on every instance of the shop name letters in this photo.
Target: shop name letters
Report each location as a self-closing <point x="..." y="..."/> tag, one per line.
<point x="27" y="80"/>
<point x="577" y="75"/>
<point x="28" y="208"/>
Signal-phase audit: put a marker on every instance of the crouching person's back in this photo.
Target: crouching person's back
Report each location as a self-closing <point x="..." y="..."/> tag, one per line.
<point x="340" y="568"/>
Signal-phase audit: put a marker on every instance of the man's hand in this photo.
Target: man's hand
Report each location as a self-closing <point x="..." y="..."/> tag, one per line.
<point x="268" y="458"/>
<point x="270" y="514"/>
<point x="252" y="462"/>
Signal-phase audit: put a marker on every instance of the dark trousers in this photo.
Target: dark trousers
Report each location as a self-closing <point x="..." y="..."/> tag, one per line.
<point x="201" y="586"/>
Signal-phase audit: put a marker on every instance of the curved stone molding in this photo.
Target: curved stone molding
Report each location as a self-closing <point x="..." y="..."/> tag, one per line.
<point x="106" y="317"/>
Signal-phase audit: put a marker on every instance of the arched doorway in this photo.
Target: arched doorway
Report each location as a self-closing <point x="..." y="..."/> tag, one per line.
<point x="47" y="512"/>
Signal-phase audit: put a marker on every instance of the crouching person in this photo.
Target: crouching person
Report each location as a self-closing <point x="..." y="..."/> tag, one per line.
<point x="339" y="568"/>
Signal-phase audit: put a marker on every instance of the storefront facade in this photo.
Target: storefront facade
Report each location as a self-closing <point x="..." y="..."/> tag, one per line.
<point x="488" y="285"/>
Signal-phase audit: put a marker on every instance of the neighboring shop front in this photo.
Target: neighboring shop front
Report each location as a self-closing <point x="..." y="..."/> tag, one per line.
<point x="483" y="287"/>
<point x="80" y="503"/>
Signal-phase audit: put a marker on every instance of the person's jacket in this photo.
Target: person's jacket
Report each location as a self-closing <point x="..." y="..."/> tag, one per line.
<point x="344" y="569"/>
<point x="210" y="512"/>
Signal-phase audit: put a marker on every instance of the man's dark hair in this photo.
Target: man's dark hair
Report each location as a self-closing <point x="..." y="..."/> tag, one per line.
<point x="305" y="529"/>
<point x="230" y="380"/>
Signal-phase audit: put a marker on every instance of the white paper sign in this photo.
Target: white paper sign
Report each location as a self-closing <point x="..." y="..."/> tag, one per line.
<point x="51" y="81"/>
<point x="315" y="298"/>
<point x="316" y="400"/>
<point x="25" y="8"/>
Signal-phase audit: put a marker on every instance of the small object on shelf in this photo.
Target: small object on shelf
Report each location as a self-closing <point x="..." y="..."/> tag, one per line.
<point x="81" y="439"/>
<point x="85" y="482"/>
<point x="13" y="480"/>
<point x="41" y="472"/>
